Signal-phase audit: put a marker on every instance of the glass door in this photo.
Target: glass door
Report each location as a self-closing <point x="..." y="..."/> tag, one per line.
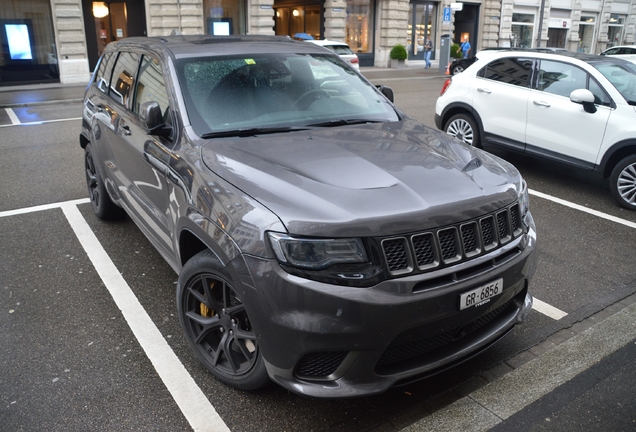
<point x="421" y="23"/>
<point x="111" y="23"/>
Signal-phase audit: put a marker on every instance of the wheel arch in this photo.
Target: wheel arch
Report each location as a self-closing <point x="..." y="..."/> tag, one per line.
<point x="190" y="245"/>
<point x="84" y="141"/>
<point x="615" y="154"/>
<point x="461" y="108"/>
<point x="193" y="231"/>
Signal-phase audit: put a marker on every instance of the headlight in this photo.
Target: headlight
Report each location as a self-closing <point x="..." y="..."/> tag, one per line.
<point x="524" y="199"/>
<point x="316" y="254"/>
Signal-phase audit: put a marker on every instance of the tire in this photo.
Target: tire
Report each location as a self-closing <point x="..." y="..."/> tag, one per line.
<point x="623" y="182"/>
<point x="216" y="325"/>
<point x="457" y="69"/>
<point x="102" y="204"/>
<point x="463" y="127"/>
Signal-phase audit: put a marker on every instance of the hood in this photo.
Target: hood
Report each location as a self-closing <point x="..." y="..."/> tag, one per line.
<point x="371" y="180"/>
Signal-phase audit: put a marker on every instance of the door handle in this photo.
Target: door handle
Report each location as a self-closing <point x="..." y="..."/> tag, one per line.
<point x="541" y="103"/>
<point x="483" y="90"/>
<point x="126" y="130"/>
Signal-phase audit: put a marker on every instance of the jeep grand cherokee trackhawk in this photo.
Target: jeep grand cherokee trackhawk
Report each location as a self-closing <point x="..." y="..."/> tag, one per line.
<point x="323" y="240"/>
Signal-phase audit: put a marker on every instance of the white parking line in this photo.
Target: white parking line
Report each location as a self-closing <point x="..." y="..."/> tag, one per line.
<point x="14" y="118"/>
<point x="548" y="310"/>
<point x="194" y="405"/>
<point x="583" y="209"/>
<point x="43" y="207"/>
<point x="35" y="123"/>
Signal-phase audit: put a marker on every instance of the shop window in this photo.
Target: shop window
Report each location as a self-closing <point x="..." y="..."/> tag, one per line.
<point x="615" y="30"/>
<point x="522" y="30"/>
<point x="224" y="17"/>
<point x="27" y="43"/>
<point x="359" y="26"/>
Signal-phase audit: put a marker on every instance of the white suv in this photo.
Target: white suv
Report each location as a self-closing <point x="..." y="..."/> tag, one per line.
<point x="572" y="108"/>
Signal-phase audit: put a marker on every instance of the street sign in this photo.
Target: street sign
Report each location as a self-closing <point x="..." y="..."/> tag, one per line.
<point x="447" y="15"/>
<point x="457" y="6"/>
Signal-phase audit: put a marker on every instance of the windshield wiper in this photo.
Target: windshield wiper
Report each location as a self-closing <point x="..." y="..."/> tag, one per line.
<point x="343" y="122"/>
<point x="248" y="132"/>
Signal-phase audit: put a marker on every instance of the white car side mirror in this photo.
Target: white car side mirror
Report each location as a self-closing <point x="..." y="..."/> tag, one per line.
<point x="585" y="98"/>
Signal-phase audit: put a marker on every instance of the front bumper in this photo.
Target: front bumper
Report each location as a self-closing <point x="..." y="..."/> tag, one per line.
<point x="332" y="341"/>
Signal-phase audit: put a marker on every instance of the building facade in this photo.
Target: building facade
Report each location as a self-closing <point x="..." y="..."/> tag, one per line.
<point x="61" y="40"/>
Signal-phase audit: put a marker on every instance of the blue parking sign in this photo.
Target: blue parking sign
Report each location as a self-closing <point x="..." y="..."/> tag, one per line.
<point x="447" y="15"/>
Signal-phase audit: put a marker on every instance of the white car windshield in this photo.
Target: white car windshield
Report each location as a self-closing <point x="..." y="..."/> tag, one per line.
<point x="274" y="91"/>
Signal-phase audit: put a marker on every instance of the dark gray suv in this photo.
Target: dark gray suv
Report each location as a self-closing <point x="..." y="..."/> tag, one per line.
<point x="323" y="239"/>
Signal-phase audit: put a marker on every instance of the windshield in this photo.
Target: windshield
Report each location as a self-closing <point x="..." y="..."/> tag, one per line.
<point x="623" y="77"/>
<point x="273" y="91"/>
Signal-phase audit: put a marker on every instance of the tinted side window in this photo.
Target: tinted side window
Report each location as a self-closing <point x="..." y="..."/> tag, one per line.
<point x="151" y="86"/>
<point x="102" y="78"/>
<point x="123" y="76"/>
<point x="509" y="70"/>
<point x="560" y="78"/>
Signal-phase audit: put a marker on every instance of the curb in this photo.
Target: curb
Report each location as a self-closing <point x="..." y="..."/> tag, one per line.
<point x="37" y="103"/>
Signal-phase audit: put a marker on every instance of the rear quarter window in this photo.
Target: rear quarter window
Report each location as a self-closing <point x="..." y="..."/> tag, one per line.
<point x="509" y="70"/>
<point x="102" y="77"/>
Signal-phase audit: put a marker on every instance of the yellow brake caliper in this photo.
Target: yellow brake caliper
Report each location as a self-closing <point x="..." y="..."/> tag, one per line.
<point x="206" y="312"/>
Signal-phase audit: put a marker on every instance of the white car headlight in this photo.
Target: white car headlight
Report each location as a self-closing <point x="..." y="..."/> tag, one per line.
<point x="317" y="254"/>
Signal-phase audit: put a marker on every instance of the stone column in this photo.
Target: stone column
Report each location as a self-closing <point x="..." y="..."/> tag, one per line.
<point x="260" y="17"/>
<point x="505" y="23"/>
<point x="630" y="24"/>
<point x="184" y="16"/>
<point x="572" y="43"/>
<point x="393" y="16"/>
<point x="604" y="16"/>
<point x="491" y="10"/>
<point x="70" y="38"/>
<point x="335" y="19"/>
<point x="545" y="24"/>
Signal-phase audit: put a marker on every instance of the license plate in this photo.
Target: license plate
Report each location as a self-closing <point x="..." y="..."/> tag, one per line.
<point x="482" y="295"/>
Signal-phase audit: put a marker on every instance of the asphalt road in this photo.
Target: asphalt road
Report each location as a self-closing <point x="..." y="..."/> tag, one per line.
<point x="72" y="360"/>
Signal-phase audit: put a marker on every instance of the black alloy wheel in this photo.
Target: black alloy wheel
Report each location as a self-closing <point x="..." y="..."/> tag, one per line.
<point x="457" y="69"/>
<point x="103" y="206"/>
<point x="216" y="324"/>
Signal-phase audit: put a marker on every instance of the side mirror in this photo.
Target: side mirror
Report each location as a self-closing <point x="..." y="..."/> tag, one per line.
<point x="152" y="119"/>
<point x="150" y="114"/>
<point x="386" y="91"/>
<point x="584" y="97"/>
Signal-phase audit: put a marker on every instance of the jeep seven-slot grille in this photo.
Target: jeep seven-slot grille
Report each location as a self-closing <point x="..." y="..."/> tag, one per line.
<point x="451" y="244"/>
